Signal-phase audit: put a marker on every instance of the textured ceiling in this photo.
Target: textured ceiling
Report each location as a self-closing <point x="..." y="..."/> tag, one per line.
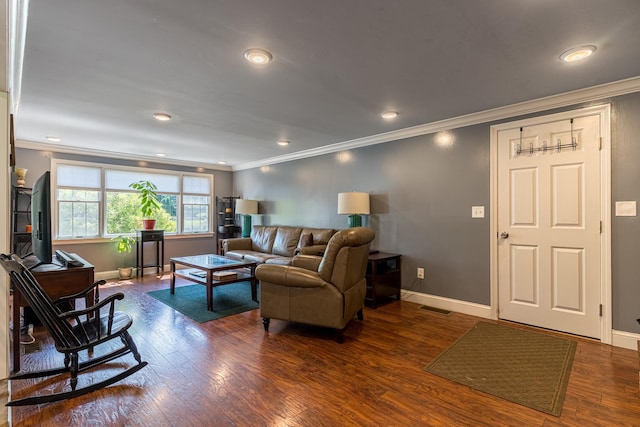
<point x="95" y="71"/>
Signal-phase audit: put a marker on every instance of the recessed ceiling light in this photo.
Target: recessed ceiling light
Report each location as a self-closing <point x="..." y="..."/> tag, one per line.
<point x="160" y="154"/>
<point x="283" y="143"/>
<point x="222" y="162"/>
<point x="162" y="117"/>
<point x="578" y="53"/>
<point x="258" y="56"/>
<point x="53" y="139"/>
<point x="388" y="115"/>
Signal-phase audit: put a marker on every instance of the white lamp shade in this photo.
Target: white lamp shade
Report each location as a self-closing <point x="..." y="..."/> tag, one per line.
<point x="353" y="203"/>
<point x="246" y="207"/>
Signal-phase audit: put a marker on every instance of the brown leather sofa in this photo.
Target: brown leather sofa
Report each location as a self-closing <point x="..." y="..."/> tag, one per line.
<point x="327" y="291"/>
<point x="277" y="244"/>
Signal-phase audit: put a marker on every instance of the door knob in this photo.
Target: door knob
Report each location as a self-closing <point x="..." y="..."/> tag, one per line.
<point x="504" y="235"/>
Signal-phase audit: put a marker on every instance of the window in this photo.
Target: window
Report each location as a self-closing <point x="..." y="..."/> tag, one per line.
<point x="78" y="207"/>
<point x="96" y="201"/>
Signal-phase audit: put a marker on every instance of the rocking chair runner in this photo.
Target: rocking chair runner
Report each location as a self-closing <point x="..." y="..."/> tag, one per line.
<point x="73" y="331"/>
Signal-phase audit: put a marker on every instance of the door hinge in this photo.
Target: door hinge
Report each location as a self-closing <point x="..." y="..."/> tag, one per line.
<point x="600" y="227"/>
<point x="600" y="310"/>
<point x="600" y="143"/>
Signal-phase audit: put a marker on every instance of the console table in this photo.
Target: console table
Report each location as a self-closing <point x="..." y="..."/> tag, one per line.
<point x="157" y="237"/>
<point x="57" y="281"/>
<point x="383" y="277"/>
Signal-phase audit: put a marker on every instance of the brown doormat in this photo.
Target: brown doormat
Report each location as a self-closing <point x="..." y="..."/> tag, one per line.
<point x="528" y="368"/>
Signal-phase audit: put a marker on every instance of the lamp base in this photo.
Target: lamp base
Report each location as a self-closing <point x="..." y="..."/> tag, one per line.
<point x="246" y="225"/>
<point x="354" y="221"/>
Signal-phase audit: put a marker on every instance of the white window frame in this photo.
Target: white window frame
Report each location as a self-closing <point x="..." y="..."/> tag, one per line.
<point x="103" y="191"/>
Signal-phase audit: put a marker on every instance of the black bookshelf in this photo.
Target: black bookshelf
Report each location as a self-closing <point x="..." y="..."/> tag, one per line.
<point x="227" y="226"/>
<point x="20" y="219"/>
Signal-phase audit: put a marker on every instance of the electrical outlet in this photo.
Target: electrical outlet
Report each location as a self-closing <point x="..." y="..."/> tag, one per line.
<point x="420" y="273"/>
<point x="477" y="211"/>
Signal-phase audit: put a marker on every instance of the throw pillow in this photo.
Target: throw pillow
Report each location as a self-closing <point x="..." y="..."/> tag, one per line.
<point x="306" y="240"/>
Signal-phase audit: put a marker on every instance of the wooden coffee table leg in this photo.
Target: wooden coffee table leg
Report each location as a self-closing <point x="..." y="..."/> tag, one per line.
<point x="209" y="286"/>
<point x="254" y="283"/>
<point x="254" y="289"/>
<point x="172" y="287"/>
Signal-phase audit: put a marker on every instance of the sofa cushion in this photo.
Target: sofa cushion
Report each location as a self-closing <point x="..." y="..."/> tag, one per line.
<point x="258" y="257"/>
<point x="279" y="260"/>
<point x="262" y="238"/>
<point x="239" y="254"/>
<point x="286" y="241"/>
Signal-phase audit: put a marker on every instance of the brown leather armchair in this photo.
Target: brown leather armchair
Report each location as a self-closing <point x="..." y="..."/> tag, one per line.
<point x="327" y="291"/>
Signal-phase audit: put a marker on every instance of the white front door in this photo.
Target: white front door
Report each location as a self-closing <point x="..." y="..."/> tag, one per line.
<point x="549" y="225"/>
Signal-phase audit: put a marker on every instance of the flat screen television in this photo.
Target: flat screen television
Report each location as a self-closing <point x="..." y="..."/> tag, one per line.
<point x="41" y="244"/>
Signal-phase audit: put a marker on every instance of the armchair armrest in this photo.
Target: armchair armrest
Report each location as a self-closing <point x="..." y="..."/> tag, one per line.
<point x="236" y="243"/>
<point x="111" y="299"/>
<point x="91" y="329"/>
<point x="285" y="275"/>
<point x="309" y="262"/>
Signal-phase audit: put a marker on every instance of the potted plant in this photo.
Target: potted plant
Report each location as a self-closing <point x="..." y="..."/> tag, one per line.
<point x="125" y="246"/>
<point x="149" y="203"/>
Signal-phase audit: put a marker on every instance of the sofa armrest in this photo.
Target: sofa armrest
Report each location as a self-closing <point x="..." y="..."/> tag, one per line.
<point x="309" y="262"/>
<point x="236" y="244"/>
<point x="285" y="275"/>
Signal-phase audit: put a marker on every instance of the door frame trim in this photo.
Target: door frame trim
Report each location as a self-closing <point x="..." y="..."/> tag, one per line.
<point x="604" y="111"/>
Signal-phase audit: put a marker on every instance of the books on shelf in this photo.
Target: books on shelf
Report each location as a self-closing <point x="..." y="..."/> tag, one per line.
<point x="225" y="275"/>
<point x="216" y="275"/>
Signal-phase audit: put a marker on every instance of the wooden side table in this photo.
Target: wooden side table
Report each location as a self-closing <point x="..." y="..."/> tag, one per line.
<point x="156" y="236"/>
<point x="57" y="281"/>
<point x="383" y="277"/>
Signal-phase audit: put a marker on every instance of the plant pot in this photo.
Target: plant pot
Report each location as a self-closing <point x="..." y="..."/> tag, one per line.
<point x="148" y="224"/>
<point x="125" y="272"/>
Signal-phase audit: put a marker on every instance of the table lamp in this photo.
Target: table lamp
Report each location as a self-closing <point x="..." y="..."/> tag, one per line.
<point x="246" y="208"/>
<point x="353" y="204"/>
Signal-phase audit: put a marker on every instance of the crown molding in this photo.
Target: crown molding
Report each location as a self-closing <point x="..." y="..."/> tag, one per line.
<point x="56" y="148"/>
<point x="589" y="94"/>
<point x="17" y="23"/>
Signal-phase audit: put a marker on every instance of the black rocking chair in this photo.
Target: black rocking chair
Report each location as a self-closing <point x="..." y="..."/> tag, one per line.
<point x="73" y="331"/>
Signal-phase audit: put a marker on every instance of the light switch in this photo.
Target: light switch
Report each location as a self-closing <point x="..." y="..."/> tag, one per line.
<point x="477" y="211"/>
<point x="626" y="208"/>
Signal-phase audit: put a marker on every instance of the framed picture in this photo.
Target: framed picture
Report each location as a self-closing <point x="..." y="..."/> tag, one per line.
<point x="12" y="155"/>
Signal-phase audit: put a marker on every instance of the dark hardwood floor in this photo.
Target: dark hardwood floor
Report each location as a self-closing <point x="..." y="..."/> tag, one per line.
<point x="228" y="372"/>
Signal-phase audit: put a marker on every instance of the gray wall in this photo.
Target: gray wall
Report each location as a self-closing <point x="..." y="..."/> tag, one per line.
<point x="421" y="199"/>
<point x="104" y="255"/>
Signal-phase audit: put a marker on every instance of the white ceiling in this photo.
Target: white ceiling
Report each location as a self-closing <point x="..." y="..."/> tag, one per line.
<point x="95" y="71"/>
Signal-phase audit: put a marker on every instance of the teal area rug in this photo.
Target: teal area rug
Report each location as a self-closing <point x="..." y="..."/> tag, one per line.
<point x="192" y="300"/>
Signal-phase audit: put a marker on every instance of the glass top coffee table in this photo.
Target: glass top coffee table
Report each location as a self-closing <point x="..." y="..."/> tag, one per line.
<point x="212" y="271"/>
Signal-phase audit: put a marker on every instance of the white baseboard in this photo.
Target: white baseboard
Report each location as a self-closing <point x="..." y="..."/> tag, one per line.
<point x="625" y="339"/>
<point x="458" y="306"/>
<point x="620" y="338"/>
<point x="106" y="275"/>
<point x="113" y="274"/>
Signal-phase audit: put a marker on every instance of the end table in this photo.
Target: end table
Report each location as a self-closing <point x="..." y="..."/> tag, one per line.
<point x="143" y="236"/>
<point x="383" y="277"/>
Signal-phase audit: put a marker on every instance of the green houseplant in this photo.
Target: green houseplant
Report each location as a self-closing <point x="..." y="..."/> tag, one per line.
<point x="125" y="246"/>
<point x="149" y="203"/>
